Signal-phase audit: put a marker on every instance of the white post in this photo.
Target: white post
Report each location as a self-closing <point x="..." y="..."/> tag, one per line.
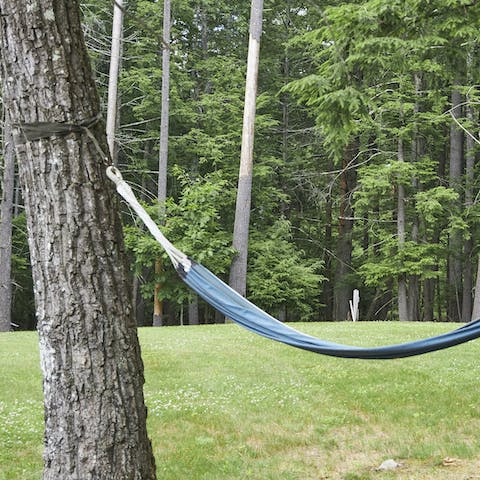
<point x="354" y="305"/>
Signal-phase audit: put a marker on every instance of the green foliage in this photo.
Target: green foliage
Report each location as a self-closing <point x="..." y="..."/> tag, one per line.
<point x="435" y="203"/>
<point x="192" y="223"/>
<point x="280" y="277"/>
<point x="368" y="73"/>
<point x="391" y="261"/>
<point x="23" y="308"/>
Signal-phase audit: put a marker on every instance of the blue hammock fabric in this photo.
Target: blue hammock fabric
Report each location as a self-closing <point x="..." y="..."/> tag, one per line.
<point x="243" y="312"/>
<point x="247" y="315"/>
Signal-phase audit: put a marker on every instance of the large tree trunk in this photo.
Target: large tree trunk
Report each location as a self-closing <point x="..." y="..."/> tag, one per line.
<point x="238" y="270"/>
<point x="95" y="417"/>
<point x="6" y="213"/>
<point x="455" y="241"/>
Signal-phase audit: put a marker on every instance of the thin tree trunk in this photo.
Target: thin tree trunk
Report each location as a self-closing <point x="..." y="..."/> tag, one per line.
<point x="163" y="155"/>
<point x="454" y="286"/>
<point x="157" y="303"/>
<point x="467" y="300"/>
<point x="342" y="292"/>
<point x="6" y="213"/>
<point x="327" y="290"/>
<point x="238" y="270"/>
<point x="428" y="299"/>
<point x="402" y="280"/>
<point x="164" y="120"/>
<point x="137" y="302"/>
<point x="413" y="295"/>
<point x="431" y="301"/>
<point x="193" y="314"/>
<point x="114" y="73"/>
<point x="95" y="416"/>
<point x="476" y="300"/>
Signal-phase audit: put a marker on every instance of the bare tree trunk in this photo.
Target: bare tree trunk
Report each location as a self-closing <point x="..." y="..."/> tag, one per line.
<point x="454" y="286"/>
<point x="95" y="416"/>
<point x="402" y="280"/>
<point x="428" y="299"/>
<point x="193" y="314"/>
<point x="476" y="300"/>
<point x="157" y="303"/>
<point x="238" y="270"/>
<point x="138" y="302"/>
<point x="115" y="60"/>
<point x="6" y="213"/>
<point x="430" y="290"/>
<point x="327" y="289"/>
<point x="413" y="295"/>
<point x="467" y="300"/>
<point x="164" y="120"/>
<point x="342" y="292"/>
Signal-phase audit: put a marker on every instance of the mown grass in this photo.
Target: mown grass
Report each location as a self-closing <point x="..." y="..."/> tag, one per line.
<point x="225" y="404"/>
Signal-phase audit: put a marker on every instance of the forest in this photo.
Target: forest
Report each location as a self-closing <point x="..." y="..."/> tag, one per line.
<point x="365" y="168"/>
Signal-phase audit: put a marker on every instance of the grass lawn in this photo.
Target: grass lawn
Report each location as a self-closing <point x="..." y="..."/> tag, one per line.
<point x="225" y="404"/>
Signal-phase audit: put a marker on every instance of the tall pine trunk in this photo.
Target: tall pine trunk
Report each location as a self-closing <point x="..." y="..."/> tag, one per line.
<point x="342" y="292"/>
<point x="6" y="214"/>
<point x="327" y="288"/>
<point x="95" y="416"/>
<point x="402" y="278"/>
<point x="454" y="298"/>
<point x="467" y="300"/>
<point x="238" y="270"/>
<point x="163" y="154"/>
<point x="418" y="150"/>
<point x="114" y="73"/>
<point x="476" y="300"/>
<point x="193" y="312"/>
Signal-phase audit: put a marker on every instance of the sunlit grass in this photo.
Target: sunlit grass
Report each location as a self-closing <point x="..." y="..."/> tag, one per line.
<point x="225" y="404"/>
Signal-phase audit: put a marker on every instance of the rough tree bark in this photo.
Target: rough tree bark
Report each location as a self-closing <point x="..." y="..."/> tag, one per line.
<point x="238" y="270"/>
<point x="95" y="417"/>
<point x="6" y="215"/>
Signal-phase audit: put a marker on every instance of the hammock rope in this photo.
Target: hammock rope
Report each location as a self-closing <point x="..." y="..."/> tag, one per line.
<point x="231" y="304"/>
<point x="177" y="257"/>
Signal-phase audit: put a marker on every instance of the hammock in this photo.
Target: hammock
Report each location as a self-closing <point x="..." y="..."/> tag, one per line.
<point x="246" y="314"/>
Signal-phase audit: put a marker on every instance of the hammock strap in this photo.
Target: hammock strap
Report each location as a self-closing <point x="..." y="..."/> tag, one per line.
<point x="177" y="257"/>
